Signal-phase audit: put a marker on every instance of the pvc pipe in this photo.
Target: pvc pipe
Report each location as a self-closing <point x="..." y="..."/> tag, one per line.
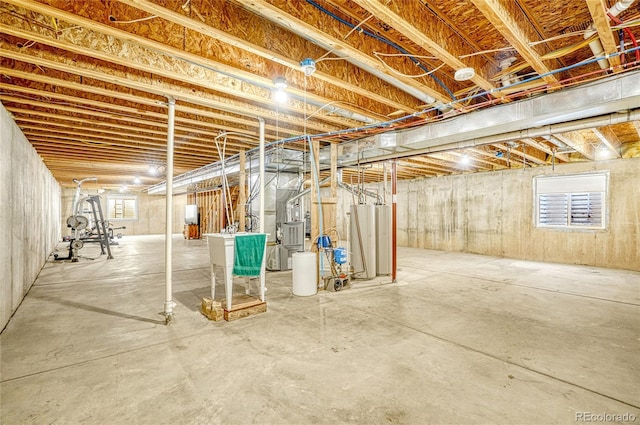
<point x="168" y="251"/>
<point x="596" y="45"/>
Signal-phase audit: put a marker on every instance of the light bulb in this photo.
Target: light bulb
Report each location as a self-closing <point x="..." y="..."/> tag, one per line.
<point x="280" y="96"/>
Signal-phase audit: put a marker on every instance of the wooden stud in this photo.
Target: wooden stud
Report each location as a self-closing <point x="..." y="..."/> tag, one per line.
<point x="598" y="10"/>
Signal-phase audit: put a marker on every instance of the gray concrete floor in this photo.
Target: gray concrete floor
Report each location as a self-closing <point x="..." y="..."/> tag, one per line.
<point x="459" y="339"/>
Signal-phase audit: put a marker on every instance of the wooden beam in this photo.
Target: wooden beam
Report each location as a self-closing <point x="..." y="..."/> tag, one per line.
<point x="144" y="83"/>
<point x="576" y="141"/>
<point x="521" y="154"/>
<point x="154" y="118"/>
<point x="140" y="100"/>
<point x="157" y="58"/>
<point x="413" y="26"/>
<point x="598" y="10"/>
<point x="434" y="165"/>
<point x="62" y="146"/>
<point x="268" y="54"/>
<point x="608" y="139"/>
<point x="449" y="157"/>
<point x="492" y="155"/>
<point x="476" y="157"/>
<point x="510" y="29"/>
<point x="546" y="149"/>
<point x="475" y="47"/>
<point x="338" y="46"/>
<point x="186" y="135"/>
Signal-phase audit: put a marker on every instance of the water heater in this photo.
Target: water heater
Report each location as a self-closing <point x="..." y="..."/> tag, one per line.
<point x="362" y="233"/>
<point x="383" y="239"/>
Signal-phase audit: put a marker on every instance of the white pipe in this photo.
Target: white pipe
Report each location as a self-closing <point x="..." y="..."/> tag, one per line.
<point x="506" y="79"/>
<point x="261" y="176"/>
<point x="620" y="7"/>
<point x="168" y="299"/>
<point x="596" y="45"/>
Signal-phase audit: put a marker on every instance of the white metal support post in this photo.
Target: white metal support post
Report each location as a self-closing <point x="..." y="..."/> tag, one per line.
<point x="168" y="300"/>
<point x="261" y="209"/>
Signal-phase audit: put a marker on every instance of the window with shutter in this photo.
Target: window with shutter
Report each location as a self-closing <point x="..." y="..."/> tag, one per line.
<point x="122" y="207"/>
<point x="572" y="201"/>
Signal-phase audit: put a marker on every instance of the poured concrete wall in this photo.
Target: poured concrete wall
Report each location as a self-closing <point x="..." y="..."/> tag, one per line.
<point x="29" y="215"/>
<point x="492" y="213"/>
<point x="151" y="213"/>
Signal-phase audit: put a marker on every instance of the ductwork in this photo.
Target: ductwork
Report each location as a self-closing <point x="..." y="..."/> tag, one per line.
<point x="547" y="130"/>
<point x="598" y="104"/>
<point x="596" y="45"/>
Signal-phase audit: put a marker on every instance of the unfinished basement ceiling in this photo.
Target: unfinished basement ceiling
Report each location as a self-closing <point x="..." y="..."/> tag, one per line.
<point x="88" y="81"/>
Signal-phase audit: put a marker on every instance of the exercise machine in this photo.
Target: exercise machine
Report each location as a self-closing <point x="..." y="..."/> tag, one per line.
<point x="78" y="222"/>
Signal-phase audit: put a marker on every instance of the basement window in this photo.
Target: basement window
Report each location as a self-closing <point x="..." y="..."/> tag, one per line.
<point x="122" y="207"/>
<point x="571" y="201"/>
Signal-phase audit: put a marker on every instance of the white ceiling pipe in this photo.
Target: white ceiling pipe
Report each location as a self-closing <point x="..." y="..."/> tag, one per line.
<point x="506" y="78"/>
<point x="596" y="45"/>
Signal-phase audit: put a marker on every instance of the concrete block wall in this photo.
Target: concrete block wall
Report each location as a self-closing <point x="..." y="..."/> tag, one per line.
<point x="151" y="213"/>
<point x="492" y="213"/>
<point x="29" y="215"/>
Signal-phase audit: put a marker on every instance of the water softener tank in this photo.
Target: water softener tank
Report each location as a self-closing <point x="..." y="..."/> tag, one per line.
<point x="340" y="256"/>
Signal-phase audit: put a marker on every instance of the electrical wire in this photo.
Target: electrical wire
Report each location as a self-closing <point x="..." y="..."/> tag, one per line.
<point x="395" y="71"/>
<point x="384" y="40"/>
<point x="618" y="21"/>
<point x="133" y="21"/>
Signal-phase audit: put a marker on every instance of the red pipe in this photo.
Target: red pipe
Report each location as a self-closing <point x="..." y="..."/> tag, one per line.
<point x="394" y="191"/>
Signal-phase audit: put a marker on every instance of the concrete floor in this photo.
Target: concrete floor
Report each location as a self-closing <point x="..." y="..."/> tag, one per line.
<point x="459" y="339"/>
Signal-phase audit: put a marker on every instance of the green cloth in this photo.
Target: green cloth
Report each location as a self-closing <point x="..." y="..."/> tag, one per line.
<point x="248" y="255"/>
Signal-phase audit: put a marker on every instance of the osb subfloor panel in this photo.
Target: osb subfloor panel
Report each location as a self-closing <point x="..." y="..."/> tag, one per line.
<point x="459" y="339"/>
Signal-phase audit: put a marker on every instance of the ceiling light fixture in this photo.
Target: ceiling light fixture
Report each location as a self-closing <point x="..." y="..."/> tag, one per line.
<point x="308" y="66"/>
<point x="279" y="95"/>
<point x="465" y="158"/>
<point x="603" y="152"/>
<point x="136" y="180"/>
<point x="464" y="74"/>
<point x="280" y="83"/>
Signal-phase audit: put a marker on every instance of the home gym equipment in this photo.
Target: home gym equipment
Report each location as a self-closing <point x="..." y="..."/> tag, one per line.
<point x="78" y="223"/>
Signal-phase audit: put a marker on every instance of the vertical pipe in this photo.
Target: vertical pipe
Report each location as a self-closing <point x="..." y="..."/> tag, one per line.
<point x="394" y="196"/>
<point x="242" y="196"/>
<point x="261" y="212"/>
<point x="385" y="190"/>
<point x="168" y="299"/>
<point x="261" y="177"/>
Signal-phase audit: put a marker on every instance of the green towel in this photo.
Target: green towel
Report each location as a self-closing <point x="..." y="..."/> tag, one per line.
<point x="249" y="252"/>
